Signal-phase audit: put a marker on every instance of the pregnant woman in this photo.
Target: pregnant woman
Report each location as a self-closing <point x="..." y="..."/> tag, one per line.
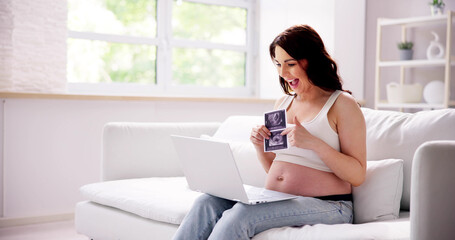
<point x="326" y="157"/>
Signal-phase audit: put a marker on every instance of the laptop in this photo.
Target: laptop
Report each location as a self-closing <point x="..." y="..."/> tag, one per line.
<point x="209" y="167"/>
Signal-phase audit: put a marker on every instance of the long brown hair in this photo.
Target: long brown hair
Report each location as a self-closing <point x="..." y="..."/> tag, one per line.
<point x="303" y="42"/>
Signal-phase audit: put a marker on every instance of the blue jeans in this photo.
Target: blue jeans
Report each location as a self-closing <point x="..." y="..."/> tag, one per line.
<point x="216" y="218"/>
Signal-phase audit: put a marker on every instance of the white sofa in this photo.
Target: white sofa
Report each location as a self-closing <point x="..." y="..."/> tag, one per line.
<point x="145" y="196"/>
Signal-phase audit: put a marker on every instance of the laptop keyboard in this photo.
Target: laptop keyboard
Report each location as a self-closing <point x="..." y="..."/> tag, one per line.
<point x="255" y="193"/>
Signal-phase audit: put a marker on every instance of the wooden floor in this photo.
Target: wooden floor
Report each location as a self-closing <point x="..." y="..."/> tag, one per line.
<point x="47" y="231"/>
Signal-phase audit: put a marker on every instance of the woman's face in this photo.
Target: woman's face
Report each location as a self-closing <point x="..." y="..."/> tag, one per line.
<point x="289" y="69"/>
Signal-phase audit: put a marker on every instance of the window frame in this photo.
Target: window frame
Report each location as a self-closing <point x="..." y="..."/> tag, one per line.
<point x="164" y="43"/>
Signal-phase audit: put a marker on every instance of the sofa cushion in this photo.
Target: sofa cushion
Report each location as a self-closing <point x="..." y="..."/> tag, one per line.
<point x="378" y="198"/>
<point x="161" y="199"/>
<point x="238" y="128"/>
<point x="393" y="134"/>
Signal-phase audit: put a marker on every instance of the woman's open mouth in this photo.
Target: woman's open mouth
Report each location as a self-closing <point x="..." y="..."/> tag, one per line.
<point x="293" y="83"/>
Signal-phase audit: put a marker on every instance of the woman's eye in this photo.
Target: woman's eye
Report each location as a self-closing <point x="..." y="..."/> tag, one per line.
<point x="278" y="65"/>
<point x="291" y="64"/>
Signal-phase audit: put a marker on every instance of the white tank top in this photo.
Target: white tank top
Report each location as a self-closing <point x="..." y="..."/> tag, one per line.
<point x="318" y="127"/>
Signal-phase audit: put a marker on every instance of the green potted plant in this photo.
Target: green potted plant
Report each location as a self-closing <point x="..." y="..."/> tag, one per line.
<point x="405" y="50"/>
<point x="437" y="7"/>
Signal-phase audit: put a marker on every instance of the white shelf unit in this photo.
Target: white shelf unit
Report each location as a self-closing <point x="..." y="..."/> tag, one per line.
<point x="446" y="62"/>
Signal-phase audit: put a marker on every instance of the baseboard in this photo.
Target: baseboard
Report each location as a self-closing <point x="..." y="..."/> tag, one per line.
<point x="12" y="222"/>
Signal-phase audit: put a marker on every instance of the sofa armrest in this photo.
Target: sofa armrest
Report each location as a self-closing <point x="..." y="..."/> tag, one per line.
<point x="137" y="150"/>
<point x="432" y="191"/>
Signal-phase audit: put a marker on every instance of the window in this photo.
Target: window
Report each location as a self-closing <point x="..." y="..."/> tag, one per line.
<point x="193" y="47"/>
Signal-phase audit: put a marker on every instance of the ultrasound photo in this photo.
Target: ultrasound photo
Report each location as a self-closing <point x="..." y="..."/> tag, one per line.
<point x="276" y="141"/>
<point x="275" y="121"/>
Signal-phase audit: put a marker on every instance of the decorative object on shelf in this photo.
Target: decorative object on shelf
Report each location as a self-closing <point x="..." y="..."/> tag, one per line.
<point x="405" y="50"/>
<point x="406" y="93"/>
<point x="435" y="50"/>
<point x="437" y="7"/>
<point x="434" y="92"/>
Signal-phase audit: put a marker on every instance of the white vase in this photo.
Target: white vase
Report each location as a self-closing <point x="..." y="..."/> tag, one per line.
<point x="435" y="50"/>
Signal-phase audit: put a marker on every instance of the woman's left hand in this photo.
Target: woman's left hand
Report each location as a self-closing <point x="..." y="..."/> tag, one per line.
<point x="298" y="136"/>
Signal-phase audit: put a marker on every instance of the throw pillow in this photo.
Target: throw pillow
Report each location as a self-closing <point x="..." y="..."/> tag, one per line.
<point x="378" y="198"/>
<point x="238" y="128"/>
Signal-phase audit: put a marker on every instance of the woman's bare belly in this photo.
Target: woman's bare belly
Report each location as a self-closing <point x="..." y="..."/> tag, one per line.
<point x="304" y="181"/>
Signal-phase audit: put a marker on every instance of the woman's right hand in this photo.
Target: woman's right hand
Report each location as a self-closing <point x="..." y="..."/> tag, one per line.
<point x="258" y="134"/>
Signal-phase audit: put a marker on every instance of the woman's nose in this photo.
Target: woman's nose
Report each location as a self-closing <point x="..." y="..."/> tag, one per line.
<point x="283" y="72"/>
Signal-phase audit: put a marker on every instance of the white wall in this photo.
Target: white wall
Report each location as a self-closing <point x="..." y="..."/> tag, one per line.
<point x="332" y="20"/>
<point x="52" y="147"/>
<point x="349" y="44"/>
